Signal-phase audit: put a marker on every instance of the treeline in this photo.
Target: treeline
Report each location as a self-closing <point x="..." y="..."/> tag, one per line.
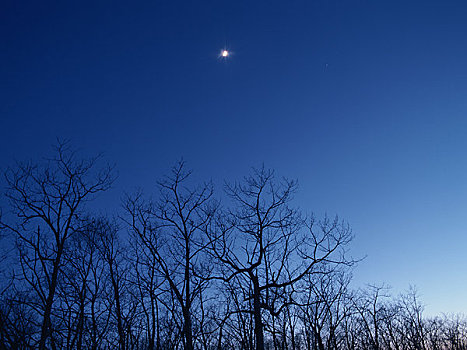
<point x="188" y="268"/>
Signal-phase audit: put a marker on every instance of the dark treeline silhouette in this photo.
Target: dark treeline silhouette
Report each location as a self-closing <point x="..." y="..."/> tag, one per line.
<point x="188" y="268"/>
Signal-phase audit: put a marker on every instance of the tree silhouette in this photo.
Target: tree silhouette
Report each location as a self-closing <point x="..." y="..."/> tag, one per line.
<point x="266" y="246"/>
<point x="47" y="200"/>
<point x="172" y="231"/>
<point x="186" y="270"/>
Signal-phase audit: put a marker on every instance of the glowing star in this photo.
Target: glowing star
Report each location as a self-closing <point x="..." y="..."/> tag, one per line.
<point x="224" y="53"/>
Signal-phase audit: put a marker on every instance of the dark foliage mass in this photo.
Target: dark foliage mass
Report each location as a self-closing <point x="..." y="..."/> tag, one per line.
<point x="188" y="268"/>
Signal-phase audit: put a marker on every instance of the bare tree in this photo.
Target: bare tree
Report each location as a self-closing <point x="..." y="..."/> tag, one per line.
<point x="148" y="284"/>
<point x="323" y="307"/>
<point x="85" y="295"/>
<point x="254" y="274"/>
<point x="267" y="247"/>
<point x="374" y="310"/>
<point x="124" y="308"/>
<point x="172" y="231"/>
<point x="46" y="200"/>
<point x="412" y="313"/>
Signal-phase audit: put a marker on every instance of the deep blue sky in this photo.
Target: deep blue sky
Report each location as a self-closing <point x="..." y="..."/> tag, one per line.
<point x="363" y="101"/>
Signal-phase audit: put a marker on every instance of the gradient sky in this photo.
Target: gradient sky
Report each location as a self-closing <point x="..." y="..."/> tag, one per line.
<point x="364" y="102"/>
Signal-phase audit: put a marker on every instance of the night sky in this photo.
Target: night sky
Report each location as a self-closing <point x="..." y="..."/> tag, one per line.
<point x="364" y="102"/>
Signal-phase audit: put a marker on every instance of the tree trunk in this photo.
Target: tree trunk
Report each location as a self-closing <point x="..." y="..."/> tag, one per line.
<point x="187" y="309"/>
<point x="187" y="330"/>
<point x="118" y="310"/>
<point x="259" y="335"/>
<point x="46" y="324"/>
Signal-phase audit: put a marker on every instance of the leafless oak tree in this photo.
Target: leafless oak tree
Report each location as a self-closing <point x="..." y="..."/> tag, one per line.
<point x="46" y="201"/>
<point x="172" y="230"/>
<point x="266" y="246"/>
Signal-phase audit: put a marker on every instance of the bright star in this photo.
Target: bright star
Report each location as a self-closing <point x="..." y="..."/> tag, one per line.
<point x="224" y="53"/>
